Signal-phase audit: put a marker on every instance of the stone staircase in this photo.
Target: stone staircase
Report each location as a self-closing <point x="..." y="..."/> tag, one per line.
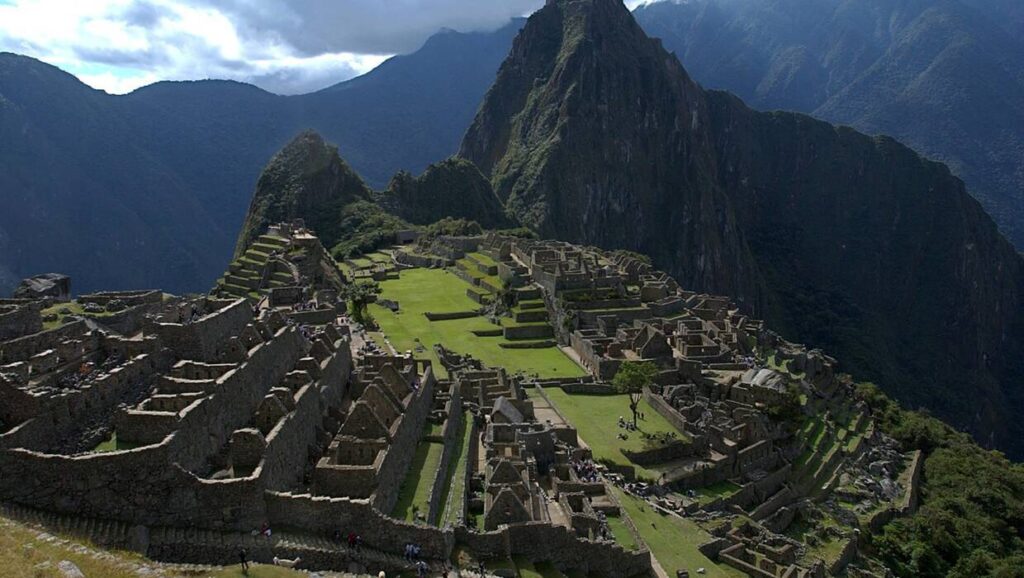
<point x="254" y="269"/>
<point x="107" y="533"/>
<point x="210" y="548"/>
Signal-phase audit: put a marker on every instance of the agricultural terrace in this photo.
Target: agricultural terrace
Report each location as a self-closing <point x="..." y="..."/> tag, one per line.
<point x="419" y="291"/>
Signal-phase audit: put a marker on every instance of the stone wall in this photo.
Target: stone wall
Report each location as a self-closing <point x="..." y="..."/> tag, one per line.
<point x="19" y="320"/>
<point x="203" y="339"/>
<point x="129" y="298"/>
<point x="314" y="317"/>
<point x="324" y="515"/>
<point x="403" y="445"/>
<point x="151" y="485"/>
<point x="25" y="347"/>
<point x="668" y="412"/>
<point x="671" y="451"/>
<point x="128" y="321"/>
<point x="450" y="315"/>
<point x="907" y="504"/>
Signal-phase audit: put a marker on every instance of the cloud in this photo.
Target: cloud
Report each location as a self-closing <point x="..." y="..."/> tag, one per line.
<point x="285" y="46"/>
<point x="120" y="45"/>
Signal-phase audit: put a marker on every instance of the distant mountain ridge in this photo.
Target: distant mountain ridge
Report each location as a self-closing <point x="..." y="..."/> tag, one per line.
<point x="178" y="180"/>
<point x="149" y="189"/>
<point x="945" y="77"/>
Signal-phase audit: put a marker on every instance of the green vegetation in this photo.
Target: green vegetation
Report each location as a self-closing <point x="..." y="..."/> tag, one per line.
<point x="972" y="502"/>
<point x="717" y="490"/>
<point x="365" y="227"/>
<point x="73" y="308"/>
<point x="631" y="379"/>
<point x="255" y="571"/>
<point x="358" y="296"/>
<point x="456" y="486"/>
<point x="621" y="532"/>
<point x="414" y="497"/>
<point x="671" y="539"/>
<point x="453" y="227"/>
<point x="113" y="444"/>
<point x="433" y="290"/>
<point x="595" y="418"/>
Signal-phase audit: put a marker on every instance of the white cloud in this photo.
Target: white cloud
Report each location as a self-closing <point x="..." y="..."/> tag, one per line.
<point x="120" y="45"/>
<point x="285" y="46"/>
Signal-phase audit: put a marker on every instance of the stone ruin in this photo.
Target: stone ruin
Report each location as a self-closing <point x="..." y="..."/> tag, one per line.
<point x="725" y="383"/>
<point x="187" y="425"/>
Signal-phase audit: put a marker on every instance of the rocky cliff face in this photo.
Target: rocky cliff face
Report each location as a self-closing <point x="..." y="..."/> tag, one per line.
<point x="595" y="134"/>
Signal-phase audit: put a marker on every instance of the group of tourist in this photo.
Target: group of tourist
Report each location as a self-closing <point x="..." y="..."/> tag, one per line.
<point x="354" y="541"/>
<point x="586" y="470"/>
<point x="412" y="551"/>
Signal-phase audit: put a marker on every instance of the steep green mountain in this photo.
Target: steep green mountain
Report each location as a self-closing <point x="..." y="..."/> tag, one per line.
<point x="943" y="76"/>
<point x="308" y="180"/>
<point x="149" y="189"/>
<point x="595" y="134"/>
<point x="452" y="188"/>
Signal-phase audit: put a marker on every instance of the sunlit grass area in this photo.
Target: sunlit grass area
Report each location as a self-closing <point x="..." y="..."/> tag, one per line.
<point x="419" y="291"/>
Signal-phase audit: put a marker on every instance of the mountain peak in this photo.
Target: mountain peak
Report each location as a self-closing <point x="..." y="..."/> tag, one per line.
<point x="305" y="179"/>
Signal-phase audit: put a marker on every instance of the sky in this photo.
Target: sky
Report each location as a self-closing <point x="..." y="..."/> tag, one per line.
<point x="284" y="46"/>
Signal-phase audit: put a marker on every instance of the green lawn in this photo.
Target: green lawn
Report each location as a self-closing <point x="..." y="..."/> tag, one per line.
<point x="421" y="290"/>
<point x="721" y="489"/>
<point x="415" y="493"/>
<point x="596" y="419"/>
<point x="622" y="534"/>
<point x="457" y="474"/>
<point x="74" y="307"/>
<point x="672" y="540"/>
<point x="113" y="444"/>
<point x="255" y="571"/>
<point x="528" y="569"/>
<point x="483" y="259"/>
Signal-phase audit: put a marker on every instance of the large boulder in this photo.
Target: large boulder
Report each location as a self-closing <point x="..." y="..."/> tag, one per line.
<point x="47" y="285"/>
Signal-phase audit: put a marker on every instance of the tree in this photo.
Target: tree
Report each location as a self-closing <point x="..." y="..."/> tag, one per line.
<point x="631" y="379"/>
<point x="359" y="295"/>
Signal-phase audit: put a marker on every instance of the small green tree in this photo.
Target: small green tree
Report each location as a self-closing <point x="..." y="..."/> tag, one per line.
<point x="358" y="296"/>
<point x="631" y="379"/>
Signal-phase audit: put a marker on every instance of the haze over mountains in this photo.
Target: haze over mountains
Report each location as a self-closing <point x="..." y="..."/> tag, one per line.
<point x="591" y="133"/>
<point x="594" y="134"/>
<point x="944" y="77"/>
<point x="179" y="159"/>
<point x="149" y="189"/>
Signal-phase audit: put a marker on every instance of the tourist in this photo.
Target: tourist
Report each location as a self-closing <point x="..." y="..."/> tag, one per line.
<point x="244" y="557"/>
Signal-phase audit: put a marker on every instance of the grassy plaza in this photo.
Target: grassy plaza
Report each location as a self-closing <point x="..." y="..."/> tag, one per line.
<point x="419" y="291"/>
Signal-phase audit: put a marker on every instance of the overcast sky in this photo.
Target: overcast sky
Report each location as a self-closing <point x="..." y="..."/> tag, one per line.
<point x="285" y="46"/>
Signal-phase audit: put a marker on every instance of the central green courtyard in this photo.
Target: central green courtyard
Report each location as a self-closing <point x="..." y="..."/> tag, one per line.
<point x="420" y="291"/>
<point x="596" y="419"/>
